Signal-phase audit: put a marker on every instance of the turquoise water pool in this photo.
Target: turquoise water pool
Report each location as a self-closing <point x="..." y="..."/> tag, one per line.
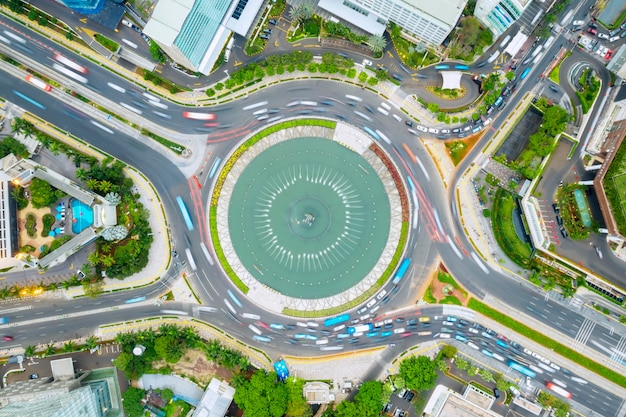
<point x="82" y="216"/>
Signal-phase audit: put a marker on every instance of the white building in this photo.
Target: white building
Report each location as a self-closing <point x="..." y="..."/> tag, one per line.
<point x="194" y="32"/>
<point x="617" y="65"/>
<point x="431" y="21"/>
<point x="215" y="400"/>
<point x="499" y="15"/>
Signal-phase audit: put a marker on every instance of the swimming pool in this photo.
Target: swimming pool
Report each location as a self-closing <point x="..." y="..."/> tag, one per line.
<point x="82" y="216"/>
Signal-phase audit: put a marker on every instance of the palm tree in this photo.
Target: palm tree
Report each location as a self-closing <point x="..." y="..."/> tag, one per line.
<point x="81" y="174"/>
<point x="92" y="183"/>
<point x="93" y="258"/>
<point x="376" y="43"/>
<point x="29" y="351"/>
<point x="105" y="186"/>
<point x="107" y="261"/>
<point x="54" y="148"/>
<point x="50" y="350"/>
<point x="301" y="12"/>
<point x="69" y="346"/>
<point x="92" y="342"/>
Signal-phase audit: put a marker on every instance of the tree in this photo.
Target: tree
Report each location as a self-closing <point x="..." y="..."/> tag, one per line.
<point x="261" y="396"/>
<point x="420" y="47"/>
<point x="93" y="289"/>
<point x="22" y="126"/>
<point x="418" y="373"/>
<point x="510" y="75"/>
<point x="369" y="399"/>
<point x="301" y="12"/>
<point x="156" y="52"/>
<point x="92" y="342"/>
<point x="297" y="406"/>
<point x="377" y="43"/>
<point x="42" y="193"/>
<point x="29" y="351"/>
<point x="433" y="107"/>
<point x="132" y="402"/>
<point x="449" y="351"/>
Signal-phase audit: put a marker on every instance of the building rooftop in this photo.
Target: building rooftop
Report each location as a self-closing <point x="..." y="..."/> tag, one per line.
<point x="446" y="11"/>
<point x="200" y="27"/>
<point x="168" y="19"/>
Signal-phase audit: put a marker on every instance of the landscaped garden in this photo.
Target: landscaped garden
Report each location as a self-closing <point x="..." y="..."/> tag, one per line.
<point x="573" y="217"/>
<point x="615" y="188"/>
<point x="590" y="87"/>
<point x="469" y="39"/>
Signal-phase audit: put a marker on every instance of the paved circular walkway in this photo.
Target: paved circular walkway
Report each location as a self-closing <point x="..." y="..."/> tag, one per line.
<point x="273" y="275"/>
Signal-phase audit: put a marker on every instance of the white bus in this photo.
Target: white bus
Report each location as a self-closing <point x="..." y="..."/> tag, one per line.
<point x="69" y="73"/>
<point x="192" y="262"/>
<point x="71" y="64"/>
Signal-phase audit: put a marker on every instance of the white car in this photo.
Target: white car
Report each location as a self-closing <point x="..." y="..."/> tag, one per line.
<point x="367" y="62"/>
<point x="421" y="128"/>
<point x="613" y="38"/>
<point x="127" y="23"/>
<point x="381" y="294"/>
<point x="472" y="330"/>
<point x="603" y="36"/>
<point x="433" y="130"/>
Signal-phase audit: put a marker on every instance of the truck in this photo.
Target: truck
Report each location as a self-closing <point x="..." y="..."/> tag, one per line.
<point x="360" y="328"/>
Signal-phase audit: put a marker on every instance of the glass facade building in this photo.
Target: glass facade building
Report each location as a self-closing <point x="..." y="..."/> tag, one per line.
<point x="81" y="402"/>
<point x="85" y="6"/>
<point x="499" y="15"/>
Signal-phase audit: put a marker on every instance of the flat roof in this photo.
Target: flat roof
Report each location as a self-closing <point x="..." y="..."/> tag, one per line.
<point x="446" y="11"/>
<point x="167" y="20"/>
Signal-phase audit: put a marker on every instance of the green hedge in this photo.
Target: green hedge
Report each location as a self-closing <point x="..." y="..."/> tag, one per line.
<point x="504" y="231"/>
<point x="547" y="342"/>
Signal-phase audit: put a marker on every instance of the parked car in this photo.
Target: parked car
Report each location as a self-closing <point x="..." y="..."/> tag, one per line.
<point x="592" y="31"/>
<point x="264" y="37"/>
<point x="603" y="36"/>
<point x="33" y="376"/>
<point x="273" y="21"/>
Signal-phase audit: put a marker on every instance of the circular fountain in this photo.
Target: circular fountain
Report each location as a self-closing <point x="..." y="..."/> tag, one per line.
<point x="308" y="221"/>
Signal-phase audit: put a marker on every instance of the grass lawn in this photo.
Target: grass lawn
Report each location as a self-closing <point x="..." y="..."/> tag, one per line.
<point x="504" y="231"/>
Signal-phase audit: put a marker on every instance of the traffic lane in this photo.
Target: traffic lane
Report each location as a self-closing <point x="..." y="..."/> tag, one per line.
<point x="41" y="329"/>
<point x="583" y="392"/>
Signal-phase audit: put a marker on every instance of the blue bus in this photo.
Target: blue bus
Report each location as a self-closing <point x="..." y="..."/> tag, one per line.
<point x="371" y="132"/>
<point x="360" y="328"/>
<point x="521" y="369"/>
<point x="524" y="74"/>
<point x="442" y="67"/>
<point x="401" y="271"/>
<point x="461" y="67"/>
<point x="336" y="320"/>
<point x="185" y="212"/>
<point x="216" y="164"/>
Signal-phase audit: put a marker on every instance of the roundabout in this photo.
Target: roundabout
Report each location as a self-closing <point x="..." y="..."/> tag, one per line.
<point x="309" y="220"/>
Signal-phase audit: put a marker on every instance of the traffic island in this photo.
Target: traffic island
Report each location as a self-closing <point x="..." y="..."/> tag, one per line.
<point x="309" y="218"/>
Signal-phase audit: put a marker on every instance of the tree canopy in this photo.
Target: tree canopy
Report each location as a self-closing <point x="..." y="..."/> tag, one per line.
<point x="297" y="406"/>
<point x="418" y="372"/>
<point x="132" y="397"/>
<point x="43" y="194"/>
<point x="262" y="395"/>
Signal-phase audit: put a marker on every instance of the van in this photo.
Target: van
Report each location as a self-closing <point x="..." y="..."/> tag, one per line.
<point x="578" y="22"/>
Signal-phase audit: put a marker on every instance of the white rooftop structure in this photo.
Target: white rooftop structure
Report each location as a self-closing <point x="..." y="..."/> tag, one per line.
<point x="516" y="44"/>
<point x="216" y="400"/>
<point x="451" y="79"/>
<point x="430" y="21"/>
<point x="194" y="32"/>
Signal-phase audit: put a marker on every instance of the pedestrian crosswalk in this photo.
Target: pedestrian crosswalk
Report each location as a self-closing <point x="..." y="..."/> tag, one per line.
<point x="583" y="334"/>
<point x="618" y="355"/>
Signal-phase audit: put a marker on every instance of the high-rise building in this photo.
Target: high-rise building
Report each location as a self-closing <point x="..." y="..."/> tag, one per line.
<point x="194" y="32"/>
<point x="617" y="64"/>
<point x="499" y="15"/>
<point x="85" y="6"/>
<point x="430" y="21"/>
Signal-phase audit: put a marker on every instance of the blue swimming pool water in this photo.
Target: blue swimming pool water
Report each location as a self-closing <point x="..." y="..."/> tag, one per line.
<point x="82" y="216"/>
